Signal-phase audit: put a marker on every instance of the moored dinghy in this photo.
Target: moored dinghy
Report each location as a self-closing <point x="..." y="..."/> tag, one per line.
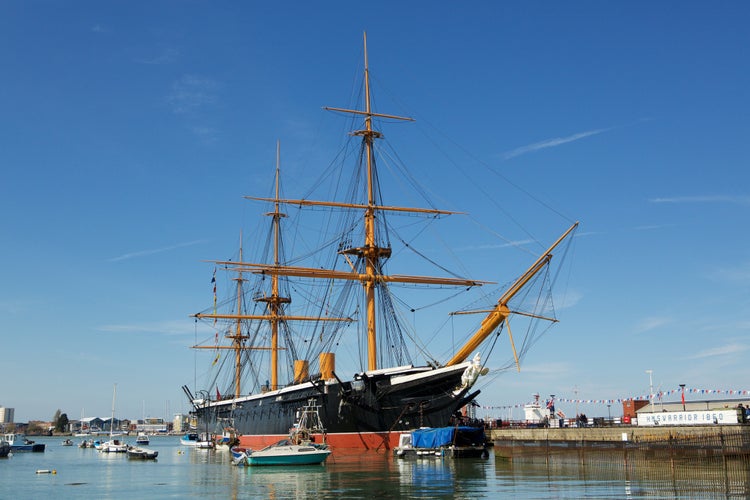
<point x="452" y="442"/>
<point x="285" y="452"/>
<point x="141" y="453"/>
<point x="19" y="442"/>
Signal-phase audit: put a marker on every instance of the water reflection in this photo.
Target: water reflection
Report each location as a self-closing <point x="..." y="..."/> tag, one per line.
<point x="368" y="475"/>
<point x="552" y="473"/>
<point x="286" y="482"/>
<point x="633" y="474"/>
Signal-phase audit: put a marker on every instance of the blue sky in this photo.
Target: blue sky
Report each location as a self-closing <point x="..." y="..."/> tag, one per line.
<point x="131" y="131"/>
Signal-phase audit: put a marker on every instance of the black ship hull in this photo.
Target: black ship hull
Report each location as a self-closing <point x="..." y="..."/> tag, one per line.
<point x="367" y="412"/>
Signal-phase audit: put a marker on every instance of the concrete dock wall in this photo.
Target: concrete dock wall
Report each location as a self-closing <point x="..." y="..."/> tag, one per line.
<point x="611" y="434"/>
<point x="546" y="443"/>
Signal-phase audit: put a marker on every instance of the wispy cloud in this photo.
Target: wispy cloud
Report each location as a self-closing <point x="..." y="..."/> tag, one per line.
<point x="551" y="143"/>
<point x="737" y="274"/>
<point x="207" y="135"/>
<point x="724" y="350"/>
<point x="652" y="323"/>
<point x="165" y="57"/>
<point x="737" y="200"/>
<point x="652" y="227"/>
<point x="98" y="28"/>
<point x="143" y="253"/>
<point x="551" y="368"/>
<point x="495" y="246"/>
<point x="192" y="92"/>
<point x="569" y="299"/>
<point x="163" y="327"/>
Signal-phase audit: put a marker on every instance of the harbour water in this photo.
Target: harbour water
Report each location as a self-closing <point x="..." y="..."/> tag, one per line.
<point x="181" y="472"/>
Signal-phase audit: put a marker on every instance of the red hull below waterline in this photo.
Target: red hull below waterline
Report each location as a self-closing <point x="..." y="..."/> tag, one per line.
<point x="374" y="441"/>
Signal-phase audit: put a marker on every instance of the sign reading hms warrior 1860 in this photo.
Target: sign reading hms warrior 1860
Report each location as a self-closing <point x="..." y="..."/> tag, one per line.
<point x="701" y="417"/>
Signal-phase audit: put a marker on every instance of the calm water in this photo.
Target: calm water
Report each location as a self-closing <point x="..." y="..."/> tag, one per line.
<point x="181" y="472"/>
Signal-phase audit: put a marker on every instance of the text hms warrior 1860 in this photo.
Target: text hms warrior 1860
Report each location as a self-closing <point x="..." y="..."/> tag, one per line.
<point x="350" y="292"/>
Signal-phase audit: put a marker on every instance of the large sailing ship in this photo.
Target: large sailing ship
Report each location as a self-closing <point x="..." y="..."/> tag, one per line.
<point x="389" y="394"/>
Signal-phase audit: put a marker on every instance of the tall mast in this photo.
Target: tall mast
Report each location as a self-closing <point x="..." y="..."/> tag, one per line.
<point x="274" y="301"/>
<point x="371" y="251"/>
<point x="274" y="304"/>
<point x="274" y="313"/>
<point x="238" y="339"/>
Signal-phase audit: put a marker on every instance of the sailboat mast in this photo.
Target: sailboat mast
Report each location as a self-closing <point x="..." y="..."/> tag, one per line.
<point x="112" y="420"/>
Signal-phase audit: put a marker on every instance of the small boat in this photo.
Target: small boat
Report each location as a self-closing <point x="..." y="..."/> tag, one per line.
<point x="285" y="452"/>
<point x="299" y="449"/>
<point x="141" y="453"/>
<point x="189" y="439"/>
<point x="113" y="446"/>
<point x="205" y="444"/>
<point x="19" y="442"/>
<point x="226" y="440"/>
<point x="239" y="455"/>
<point x="67" y="442"/>
<point x="142" y="438"/>
<point x="4" y="449"/>
<point x="452" y="442"/>
<point x="86" y="443"/>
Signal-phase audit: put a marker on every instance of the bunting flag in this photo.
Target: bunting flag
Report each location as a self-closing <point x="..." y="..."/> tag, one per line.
<point x="218" y="394"/>
<point x="645" y="397"/>
<point x="216" y="359"/>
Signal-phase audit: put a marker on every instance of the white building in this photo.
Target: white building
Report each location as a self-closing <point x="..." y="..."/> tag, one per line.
<point x="6" y="415"/>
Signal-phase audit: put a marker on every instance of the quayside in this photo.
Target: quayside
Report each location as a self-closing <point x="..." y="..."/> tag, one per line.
<point x="289" y="316"/>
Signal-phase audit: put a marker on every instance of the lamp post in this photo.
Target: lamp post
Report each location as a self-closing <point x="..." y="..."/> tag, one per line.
<point x="682" y="386"/>
<point x="609" y="414"/>
<point x="650" y="388"/>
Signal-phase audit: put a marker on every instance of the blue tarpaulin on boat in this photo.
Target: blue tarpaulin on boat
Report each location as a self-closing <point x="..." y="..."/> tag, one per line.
<point x="444" y="436"/>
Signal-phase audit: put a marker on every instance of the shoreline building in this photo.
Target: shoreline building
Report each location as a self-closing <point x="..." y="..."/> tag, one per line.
<point x="6" y="415"/>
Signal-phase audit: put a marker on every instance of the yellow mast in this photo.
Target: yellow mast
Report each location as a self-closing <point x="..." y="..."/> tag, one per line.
<point x="238" y="339"/>
<point x="370" y="252"/>
<point x="275" y="300"/>
<point x="501" y="311"/>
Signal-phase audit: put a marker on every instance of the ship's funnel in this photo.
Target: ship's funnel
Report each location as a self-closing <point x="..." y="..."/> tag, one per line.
<point x="327" y="365"/>
<point x="301" y="370"/>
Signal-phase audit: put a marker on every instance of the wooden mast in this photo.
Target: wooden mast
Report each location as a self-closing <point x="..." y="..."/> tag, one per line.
<point x="275" y="301"/>
<point x="238" y="338"/>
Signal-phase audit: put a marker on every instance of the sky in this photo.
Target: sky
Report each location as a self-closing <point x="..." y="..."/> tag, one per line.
<point x="132" y="131"/>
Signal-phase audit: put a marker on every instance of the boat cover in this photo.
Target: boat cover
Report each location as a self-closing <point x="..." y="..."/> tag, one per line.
<point x="444" y="436"/>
